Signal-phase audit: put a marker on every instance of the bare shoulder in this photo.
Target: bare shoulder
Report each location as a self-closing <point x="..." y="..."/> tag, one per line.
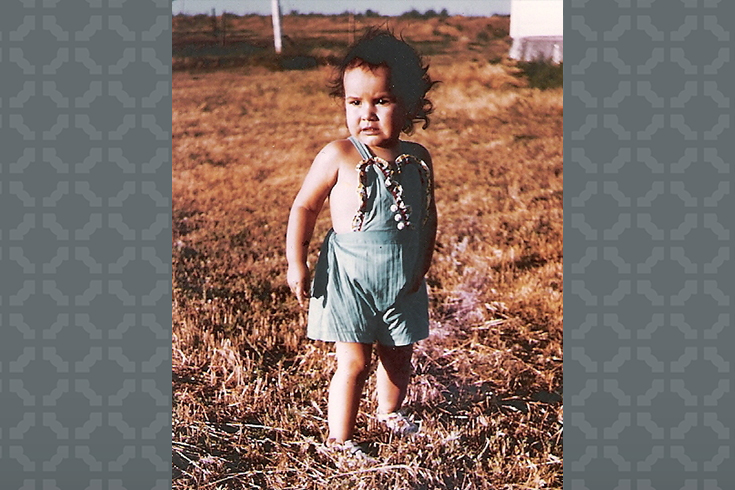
<point x="337" y="152"/>
<point x="418" y="151"/>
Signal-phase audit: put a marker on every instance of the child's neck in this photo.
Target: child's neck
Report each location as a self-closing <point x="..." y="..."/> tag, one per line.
<point x="389" y="153"/>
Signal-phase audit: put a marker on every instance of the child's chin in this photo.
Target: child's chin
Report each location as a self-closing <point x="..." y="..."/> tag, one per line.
<point x="375" y="140"/>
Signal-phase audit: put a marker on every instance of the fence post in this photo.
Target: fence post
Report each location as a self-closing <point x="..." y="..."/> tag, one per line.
<point x="224" y="27"/>
<point x="352" y="28"/>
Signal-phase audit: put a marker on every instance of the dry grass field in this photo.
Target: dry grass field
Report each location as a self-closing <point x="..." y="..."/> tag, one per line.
<point x="250" y="390"/>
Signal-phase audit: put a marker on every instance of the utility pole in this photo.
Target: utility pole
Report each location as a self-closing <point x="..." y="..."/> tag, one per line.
<point x="276" y="13"/>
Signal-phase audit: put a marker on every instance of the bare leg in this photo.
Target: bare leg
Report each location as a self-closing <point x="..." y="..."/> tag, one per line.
<point x="345" y="391"/>
<point x="394" y="373"/>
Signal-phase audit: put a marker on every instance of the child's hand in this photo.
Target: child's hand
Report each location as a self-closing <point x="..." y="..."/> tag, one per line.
<point x="298" y="281"/>
<point x="415" y="284"/>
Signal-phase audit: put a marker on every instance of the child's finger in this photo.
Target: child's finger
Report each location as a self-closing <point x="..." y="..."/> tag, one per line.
<point x="296" y="290"/>
<point x="301" y="295"/>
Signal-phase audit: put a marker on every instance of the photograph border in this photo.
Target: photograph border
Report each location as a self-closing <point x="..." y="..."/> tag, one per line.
<point x="647" y="269"/>
<point x="85" y="245"/>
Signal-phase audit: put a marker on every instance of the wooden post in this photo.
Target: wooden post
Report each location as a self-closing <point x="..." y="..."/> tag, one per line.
<point x="276" y="13"/>
<point x="352" y="28"/>
<point x="224" y="27"/>
<point x="214" y="23"/>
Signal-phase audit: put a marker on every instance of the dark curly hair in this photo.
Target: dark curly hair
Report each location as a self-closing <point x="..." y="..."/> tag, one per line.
<point x="409" y="77"/>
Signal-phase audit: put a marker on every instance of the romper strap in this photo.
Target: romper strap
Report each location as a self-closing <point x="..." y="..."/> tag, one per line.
<point x="361" y="148"/>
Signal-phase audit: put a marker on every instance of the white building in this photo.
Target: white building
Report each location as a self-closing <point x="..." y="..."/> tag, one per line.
<point x="537" y="30"/>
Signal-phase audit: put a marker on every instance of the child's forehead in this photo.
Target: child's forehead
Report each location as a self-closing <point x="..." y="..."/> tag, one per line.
<point x="364" y="69"/>
<point x="363" y="74"/>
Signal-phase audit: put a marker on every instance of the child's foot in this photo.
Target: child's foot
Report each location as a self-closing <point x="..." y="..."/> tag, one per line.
<point x="348" y="453"/>
<point x="398" y="423"/>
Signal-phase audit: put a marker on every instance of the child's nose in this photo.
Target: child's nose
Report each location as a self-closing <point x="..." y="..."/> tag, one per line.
<point x="368" y="111"/>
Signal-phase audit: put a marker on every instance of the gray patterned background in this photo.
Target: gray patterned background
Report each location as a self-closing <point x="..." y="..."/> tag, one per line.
<point x="85" y="247"/>
<point x="648" y="271"/>
<point x="85" y="309"/>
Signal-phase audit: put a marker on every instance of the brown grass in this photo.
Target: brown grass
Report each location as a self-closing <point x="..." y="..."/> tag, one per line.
<point x="250" y="391"/>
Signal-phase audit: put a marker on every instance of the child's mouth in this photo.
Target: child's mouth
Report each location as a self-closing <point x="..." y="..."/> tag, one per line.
<point x="369" y="130"/>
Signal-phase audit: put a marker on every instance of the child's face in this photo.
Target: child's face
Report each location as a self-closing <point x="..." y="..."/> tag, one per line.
<point x="374" y="115"/>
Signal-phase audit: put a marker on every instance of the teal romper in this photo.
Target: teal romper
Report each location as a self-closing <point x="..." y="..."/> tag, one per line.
<point x="361" y="279"/>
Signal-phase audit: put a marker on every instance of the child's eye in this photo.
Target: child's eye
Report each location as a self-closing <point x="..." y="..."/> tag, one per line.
<point x="383" y="101"/>
<point x="353" y="102"/>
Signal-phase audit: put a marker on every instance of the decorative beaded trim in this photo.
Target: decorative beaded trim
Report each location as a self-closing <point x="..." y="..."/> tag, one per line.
<point x="426" y="181"/>
<point x="389" y="171"/>
<point x="359" y="217"/>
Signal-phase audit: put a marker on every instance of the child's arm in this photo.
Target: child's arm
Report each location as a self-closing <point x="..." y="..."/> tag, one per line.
<point x="428" y="231"/>
<point x="306" y="207"/>
<point x="429" y="235"/>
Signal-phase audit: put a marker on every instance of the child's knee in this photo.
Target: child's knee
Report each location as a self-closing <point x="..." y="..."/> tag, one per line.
<point x="395" y="357"/>
<point x="354" y="368"/>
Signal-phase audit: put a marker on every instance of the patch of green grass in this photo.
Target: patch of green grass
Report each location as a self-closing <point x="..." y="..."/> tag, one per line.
<point x="542" y="74"/>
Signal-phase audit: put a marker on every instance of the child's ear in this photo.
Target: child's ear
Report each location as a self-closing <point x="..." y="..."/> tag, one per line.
<point x="406" y="109"/>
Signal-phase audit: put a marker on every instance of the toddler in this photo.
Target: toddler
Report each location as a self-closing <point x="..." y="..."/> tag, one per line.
<point x="369" y="283"/>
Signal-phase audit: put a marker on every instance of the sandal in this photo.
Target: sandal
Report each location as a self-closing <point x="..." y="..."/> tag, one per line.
<point x="398" y="423"/>
<point x="348" y="453"/>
